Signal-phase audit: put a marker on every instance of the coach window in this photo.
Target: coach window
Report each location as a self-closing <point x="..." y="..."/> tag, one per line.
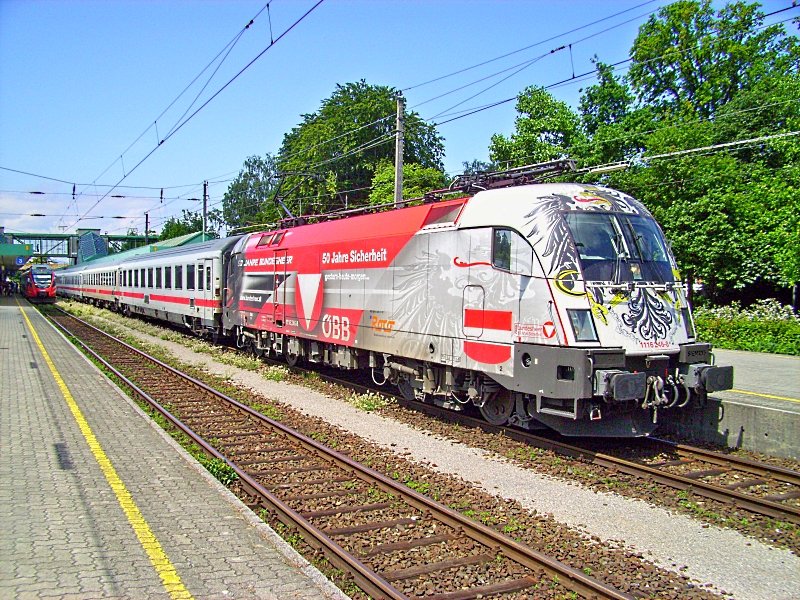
<point x="189" y="277"/>
<point x="200" y="277"/>
<point x="158" y="277"/>
<point x="178" y="277"/>
<point x="141" y="277"/>
<point x="168" y="277"/>
<point x="208" y="278"/>
<point x="150" y="277"/>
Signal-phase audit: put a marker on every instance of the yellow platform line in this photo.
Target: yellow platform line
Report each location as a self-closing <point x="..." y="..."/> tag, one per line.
<point x="770" y="396"/>
<point x="158" y="558"/>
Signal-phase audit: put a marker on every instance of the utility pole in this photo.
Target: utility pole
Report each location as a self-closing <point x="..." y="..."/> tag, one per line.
<point x="398" y="152"/>
<point x="146" y="227"/>
<point x="205" y="206"/>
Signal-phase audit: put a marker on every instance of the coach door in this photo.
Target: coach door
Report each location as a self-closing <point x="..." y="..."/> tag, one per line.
<point x="279" y="288"/>
<point x="204" y="298"/>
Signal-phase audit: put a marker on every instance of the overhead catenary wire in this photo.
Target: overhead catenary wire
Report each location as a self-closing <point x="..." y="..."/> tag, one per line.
<point x="229" y="47"/>
<point x="180" y="125"/>
<point x="568" y="81"/>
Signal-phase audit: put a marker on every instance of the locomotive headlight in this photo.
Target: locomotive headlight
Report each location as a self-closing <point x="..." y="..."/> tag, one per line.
<point x="582" y="325"/>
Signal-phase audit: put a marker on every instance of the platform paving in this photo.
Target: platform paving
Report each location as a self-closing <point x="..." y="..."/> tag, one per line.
<point x="64" y="533"/>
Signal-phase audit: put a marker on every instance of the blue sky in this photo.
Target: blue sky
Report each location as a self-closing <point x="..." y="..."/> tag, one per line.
<point x="83" y="85"/>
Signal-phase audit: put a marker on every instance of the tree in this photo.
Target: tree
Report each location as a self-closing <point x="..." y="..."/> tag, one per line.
<point x="417" y="180"/>
<point x="191" y="222"/>
<point x="545" y="129"/>
<point x="334" y="153"/>
<point x="701" y="79"/>
<point x="248" y="199"/>
<point x="686" y="57"/>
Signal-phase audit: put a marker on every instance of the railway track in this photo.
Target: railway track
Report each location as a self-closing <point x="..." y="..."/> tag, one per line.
<point x="750" y="485"/>
<point x="393" y="541"/>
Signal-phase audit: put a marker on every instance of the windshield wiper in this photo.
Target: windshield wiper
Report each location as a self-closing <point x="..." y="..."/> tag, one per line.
<point x="619" y="250"/>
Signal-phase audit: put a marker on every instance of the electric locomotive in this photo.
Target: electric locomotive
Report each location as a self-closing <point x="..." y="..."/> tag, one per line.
<point x="38" y="284"/>
<point x="543" y="305"/>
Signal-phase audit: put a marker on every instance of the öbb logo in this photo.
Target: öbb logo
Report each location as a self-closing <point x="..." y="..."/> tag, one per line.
<point x="336" y="327"/>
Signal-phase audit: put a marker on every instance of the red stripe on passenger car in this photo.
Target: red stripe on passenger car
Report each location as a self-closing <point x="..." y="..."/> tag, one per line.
<point x="490" y="354"/>
<point x="488" y="319"/>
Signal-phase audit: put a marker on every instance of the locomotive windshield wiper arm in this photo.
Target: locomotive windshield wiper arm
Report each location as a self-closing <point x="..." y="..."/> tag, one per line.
<point x="619" y="250"/>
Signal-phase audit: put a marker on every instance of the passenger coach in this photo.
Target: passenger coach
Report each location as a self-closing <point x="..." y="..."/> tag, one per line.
<point x="180" y="285"/>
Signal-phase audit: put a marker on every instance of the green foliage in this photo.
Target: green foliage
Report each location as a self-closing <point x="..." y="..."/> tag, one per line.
<point x="765" y="327"/>
<point x="686" y="56"/>
<point x="417" y="180"/>
<point x="248" y="198"/>
<point x="546" y="129"/>
<point x="219" y="469"/>
<point x="333" y="154"/>
<point x="192" y="222"/>
<point x="706" y="79"/>
<point x="368" y="401"/>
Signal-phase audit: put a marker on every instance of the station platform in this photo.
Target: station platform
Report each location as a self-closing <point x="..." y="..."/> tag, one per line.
<point x="762" y="411"/>
<point x="98" y="502"/>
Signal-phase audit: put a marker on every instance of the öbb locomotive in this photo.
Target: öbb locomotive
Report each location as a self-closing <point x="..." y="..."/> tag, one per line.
<point x="38" y="284"/>
<point x="545" y="305"/>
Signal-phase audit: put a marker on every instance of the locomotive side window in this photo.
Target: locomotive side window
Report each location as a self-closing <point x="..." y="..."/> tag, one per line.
<point x="178" y="277"/>
<point x="511" y="252"/>
<point x="501" y="249"/>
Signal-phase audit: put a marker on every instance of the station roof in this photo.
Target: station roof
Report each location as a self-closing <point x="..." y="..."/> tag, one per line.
<point x="13" y="256"/>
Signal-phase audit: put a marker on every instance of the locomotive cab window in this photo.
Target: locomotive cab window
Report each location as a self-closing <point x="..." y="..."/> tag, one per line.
<point x="265" y="240"/>
<point x="617" y="247"/>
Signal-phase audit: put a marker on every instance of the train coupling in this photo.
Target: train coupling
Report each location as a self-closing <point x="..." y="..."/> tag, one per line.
<point x="619" y="386"/>
<point x="706" y="377"/>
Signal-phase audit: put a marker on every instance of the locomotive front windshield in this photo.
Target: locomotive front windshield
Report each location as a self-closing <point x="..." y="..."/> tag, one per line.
<point x="619" y="247"/>
<point x="42" y="278"/>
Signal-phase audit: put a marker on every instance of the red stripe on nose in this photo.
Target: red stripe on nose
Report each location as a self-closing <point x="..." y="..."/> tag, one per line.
<point x="488" y="319"/>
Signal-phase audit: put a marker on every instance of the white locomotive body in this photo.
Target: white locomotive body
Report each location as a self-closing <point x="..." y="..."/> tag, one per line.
<point x="547" y="304"/>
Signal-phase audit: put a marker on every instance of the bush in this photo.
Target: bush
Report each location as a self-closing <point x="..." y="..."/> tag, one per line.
<point x="766" y="326"/>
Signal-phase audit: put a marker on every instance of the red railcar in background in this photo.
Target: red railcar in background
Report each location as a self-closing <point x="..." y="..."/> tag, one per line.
<point x="38" y="284"/>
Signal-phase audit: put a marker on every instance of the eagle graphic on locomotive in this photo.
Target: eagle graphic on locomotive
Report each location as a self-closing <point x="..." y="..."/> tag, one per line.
<point x="552" y="305"/>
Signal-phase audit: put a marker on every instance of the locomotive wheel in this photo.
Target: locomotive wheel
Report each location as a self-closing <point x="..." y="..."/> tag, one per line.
<point x="292" y="359"/>
<point x="498" y="407"/>
<point x="406" y="390"/>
